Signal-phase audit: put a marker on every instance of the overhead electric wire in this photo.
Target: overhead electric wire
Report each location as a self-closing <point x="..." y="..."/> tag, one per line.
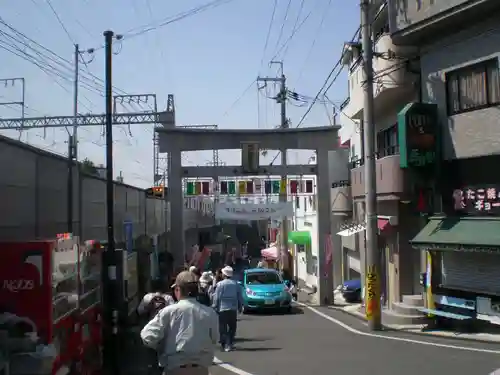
<point x="266" y="44"/>
<point x="50" y="65"/>
<point x="59" y="20"/>
<point x="322" y="89"/>
<point x="294" y="27"/>
<point x="294" y="32"/>
<point x="280" y="35"/>
<point x="132" y="33"/>
<point x="72" y="40"/>
<point x="54" y="56"/>
<point x="313" y="44"/>
<point x="238" y="99"/>
<point x="40" y="66"/>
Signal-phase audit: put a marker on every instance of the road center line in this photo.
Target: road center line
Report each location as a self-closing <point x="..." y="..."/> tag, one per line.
<point x="361" y="333"/>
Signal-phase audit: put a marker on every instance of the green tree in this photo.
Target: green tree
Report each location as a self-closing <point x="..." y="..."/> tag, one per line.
<point x="88" y="166"/>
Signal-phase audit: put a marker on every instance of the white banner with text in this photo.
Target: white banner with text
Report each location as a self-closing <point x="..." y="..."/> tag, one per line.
<point x="249" y="211"/>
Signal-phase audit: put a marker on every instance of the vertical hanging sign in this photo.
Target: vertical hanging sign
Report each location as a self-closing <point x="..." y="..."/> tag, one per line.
<point x="418" y="134"/>
<point x="250" y="157"/>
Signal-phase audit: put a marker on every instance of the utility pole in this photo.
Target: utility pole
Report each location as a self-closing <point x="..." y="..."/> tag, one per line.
<point x="112" y="291"/>
<point x="73" y="144"/>
<point x="281" y="99"/>
<point x="373" y="261"/>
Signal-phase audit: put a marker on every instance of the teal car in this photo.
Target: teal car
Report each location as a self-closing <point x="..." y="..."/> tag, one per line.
<point x="264" y="289"/>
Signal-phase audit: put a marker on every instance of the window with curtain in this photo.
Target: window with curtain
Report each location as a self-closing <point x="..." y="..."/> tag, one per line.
<point x="387" y="142"/>
<point x="473" y="87"/>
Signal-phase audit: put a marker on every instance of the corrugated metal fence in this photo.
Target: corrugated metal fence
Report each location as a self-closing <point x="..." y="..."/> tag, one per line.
<point x="33" y="199"/>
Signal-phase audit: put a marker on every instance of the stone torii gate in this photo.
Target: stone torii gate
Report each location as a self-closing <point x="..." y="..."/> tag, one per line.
<point x="174" y="140"/>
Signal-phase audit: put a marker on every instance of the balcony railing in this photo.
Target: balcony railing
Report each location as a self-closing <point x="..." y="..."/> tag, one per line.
<point x="389" y="175"/>
<point x="341" y="184"/>
<point x="381" y="153"/>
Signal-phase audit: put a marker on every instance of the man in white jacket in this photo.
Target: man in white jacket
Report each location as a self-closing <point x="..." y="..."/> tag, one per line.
<point x="184" y="334"/>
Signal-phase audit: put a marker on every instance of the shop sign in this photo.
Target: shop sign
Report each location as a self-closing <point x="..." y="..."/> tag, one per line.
<point x="418" y="132"/>
<point x="477" y="200"/>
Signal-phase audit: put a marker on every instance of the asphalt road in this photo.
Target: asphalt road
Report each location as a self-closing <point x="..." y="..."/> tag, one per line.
<point x="305" y="343"/>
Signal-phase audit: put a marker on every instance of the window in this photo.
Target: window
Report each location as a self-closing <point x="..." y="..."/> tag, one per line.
<point x="263" y="278"/>
<point x="387" y="142"/>
<point x="473" y="87"/>
<point x="314" y="265"/>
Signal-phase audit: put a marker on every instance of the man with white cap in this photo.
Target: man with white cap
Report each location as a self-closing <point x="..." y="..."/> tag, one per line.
<point x="185" y="334"/>
<point x="227" y="301"/>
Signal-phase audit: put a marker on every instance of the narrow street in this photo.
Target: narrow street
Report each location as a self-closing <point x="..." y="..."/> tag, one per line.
<point x="306" y="343"/>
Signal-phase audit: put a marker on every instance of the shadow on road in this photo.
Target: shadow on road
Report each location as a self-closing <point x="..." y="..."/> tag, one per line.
<point x="295" y="311"/>
<point x="259" y="349"/>
<point x="251" y="339"/>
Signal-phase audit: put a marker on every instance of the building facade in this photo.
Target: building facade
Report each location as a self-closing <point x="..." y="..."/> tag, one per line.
<point x="396" y="83"/>
<point x="459" y="43"/>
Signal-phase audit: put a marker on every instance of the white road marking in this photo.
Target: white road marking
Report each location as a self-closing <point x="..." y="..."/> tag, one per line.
<point x="361" y="333"/>
<point x="228" y="367"/>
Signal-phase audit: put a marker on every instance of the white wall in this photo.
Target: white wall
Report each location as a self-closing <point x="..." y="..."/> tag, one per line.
<point x="306" y="219"/>
<point x="350" y="130"/>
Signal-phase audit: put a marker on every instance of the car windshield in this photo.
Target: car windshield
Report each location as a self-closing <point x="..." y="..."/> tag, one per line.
<point x="259" y="278"/>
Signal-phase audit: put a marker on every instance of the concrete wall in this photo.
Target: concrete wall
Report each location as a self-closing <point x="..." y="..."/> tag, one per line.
<point x="406" y="13"/>
<point x="33" y="204"/>
<point x="473" y="133"/>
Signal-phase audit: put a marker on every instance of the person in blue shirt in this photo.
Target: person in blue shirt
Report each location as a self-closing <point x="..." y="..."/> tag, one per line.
<point x="227" y="301"/>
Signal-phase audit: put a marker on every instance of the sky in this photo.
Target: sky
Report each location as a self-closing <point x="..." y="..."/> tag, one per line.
<point x="209" y="61"/>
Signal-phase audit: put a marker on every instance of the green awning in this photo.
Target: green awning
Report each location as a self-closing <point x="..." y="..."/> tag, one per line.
<point x="459" y="233"/>
<point x="299" y="237"/>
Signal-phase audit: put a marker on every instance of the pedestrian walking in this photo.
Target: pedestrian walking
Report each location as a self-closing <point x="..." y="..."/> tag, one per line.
<point x="153" y="302"/>
<point x="185" y="333"/>
<point x="227" y="301"/>
<point x="205" y="283"/>
<point x="150" y="305"/>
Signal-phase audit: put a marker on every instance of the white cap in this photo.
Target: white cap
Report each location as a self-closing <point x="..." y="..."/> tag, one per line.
<point x="227" y="271"/>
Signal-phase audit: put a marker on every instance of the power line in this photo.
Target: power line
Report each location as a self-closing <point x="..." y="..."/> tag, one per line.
<point x="132" y="33"/>
<point x="51" y="55"/>
<point x="43" y="68"/>
<point x="313" y="44"/>
<point x="238" y="99"/>
<point x="59" y="20"/>
<point x="294" y="32"/>
<point x="299" y="13"/>
<point x="46" y="65"/>
<point x="325" y="83"/>
<point x="266" y="44"/>
<point x="280" y="35"/>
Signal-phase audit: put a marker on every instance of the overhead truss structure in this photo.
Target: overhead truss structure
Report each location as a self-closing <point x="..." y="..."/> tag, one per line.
<point x="81" y="120"/>
<point x="165" y="118"/>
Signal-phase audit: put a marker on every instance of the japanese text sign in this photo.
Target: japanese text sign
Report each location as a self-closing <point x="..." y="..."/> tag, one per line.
<point x="477" y="200"/>
<point x="418" y="131"/>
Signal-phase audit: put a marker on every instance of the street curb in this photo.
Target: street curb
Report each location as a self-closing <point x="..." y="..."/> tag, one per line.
<point x="428" y="334"/>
